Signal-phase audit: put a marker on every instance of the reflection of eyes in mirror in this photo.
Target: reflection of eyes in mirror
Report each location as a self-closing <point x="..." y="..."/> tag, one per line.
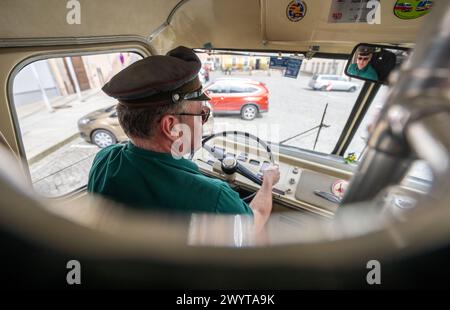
<point x="375" y="63"/>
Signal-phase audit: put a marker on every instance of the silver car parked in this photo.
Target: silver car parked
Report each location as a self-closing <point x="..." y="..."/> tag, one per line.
<point x="332" y="82"/>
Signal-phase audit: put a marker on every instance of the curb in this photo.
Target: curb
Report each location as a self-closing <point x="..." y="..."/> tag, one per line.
<point x="51" y="149"/>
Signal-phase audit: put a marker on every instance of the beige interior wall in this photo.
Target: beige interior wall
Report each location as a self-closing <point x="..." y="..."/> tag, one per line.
<point x="224" y="23"/>
<point x="263" y="25"/>
<point x="47" y="18"/>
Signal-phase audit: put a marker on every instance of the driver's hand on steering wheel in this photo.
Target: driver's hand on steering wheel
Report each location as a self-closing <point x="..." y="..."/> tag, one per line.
<point x="271" y="175"/>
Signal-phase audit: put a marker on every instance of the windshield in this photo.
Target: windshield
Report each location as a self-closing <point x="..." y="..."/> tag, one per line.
<point x="282" y="99"/>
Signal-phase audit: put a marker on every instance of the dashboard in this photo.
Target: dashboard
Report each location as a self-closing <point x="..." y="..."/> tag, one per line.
<point x="305" y="185"/>
<point x="299" y="180"/>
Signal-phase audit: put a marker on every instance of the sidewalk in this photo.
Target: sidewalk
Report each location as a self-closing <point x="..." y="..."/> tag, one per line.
<point x="43" y="130"/>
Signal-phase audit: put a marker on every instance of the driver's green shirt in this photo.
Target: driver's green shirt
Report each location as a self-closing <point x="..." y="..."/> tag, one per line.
<point x="149" y="180"/>
<point x="368" y="72"/>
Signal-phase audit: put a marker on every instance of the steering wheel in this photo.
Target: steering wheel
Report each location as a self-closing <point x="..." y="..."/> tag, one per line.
<point x="230" y="164"/>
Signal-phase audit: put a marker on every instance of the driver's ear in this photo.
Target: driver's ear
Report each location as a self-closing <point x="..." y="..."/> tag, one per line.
<point x="168" y="127"/>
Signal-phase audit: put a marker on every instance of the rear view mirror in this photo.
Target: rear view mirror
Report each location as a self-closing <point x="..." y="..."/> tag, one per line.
<point x="374" y="63"/>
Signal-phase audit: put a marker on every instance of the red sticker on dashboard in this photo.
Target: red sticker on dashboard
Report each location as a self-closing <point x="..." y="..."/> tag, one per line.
<point x="339" y="187"/>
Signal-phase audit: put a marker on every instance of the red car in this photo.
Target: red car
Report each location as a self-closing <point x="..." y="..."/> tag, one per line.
<point x="238" y="96"/>
<point x="404" y="7"/>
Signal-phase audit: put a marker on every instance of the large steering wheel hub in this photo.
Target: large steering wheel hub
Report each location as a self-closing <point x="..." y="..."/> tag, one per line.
<point x="229" y="164"/>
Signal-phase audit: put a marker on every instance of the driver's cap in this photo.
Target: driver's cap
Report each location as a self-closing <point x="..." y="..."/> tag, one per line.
<point x="365" y="50"/>
<point x="157" y="80"/>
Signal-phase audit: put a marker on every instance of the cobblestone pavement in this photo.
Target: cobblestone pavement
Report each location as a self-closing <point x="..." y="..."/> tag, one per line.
<point x="65" y="170"/>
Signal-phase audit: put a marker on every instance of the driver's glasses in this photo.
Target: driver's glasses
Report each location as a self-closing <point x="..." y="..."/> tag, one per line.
<point x="360" y="58"/>
<point x="205" y="113"/>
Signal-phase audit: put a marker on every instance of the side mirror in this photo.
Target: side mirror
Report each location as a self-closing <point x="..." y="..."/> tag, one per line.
<point x="374" y="63"/>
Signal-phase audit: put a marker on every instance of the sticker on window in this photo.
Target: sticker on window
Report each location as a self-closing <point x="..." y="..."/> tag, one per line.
<point x="290" y="66"/>
<point x="296" y="10"/>
<point x="412" y="9"/>
<point x="278" y="62"/>
<point x="293" y="68"/>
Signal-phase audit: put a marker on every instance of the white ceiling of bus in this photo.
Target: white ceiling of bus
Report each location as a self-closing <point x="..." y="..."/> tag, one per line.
<point x="238" y="24"/>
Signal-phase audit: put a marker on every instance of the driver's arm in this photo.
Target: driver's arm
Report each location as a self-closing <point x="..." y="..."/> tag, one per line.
<point x="262" y="203"/>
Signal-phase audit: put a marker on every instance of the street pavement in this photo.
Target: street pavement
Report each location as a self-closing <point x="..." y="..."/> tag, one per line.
<point x="64" y="170"/>
<point x="41" y="129"/>
<point x="294" y="108"/>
